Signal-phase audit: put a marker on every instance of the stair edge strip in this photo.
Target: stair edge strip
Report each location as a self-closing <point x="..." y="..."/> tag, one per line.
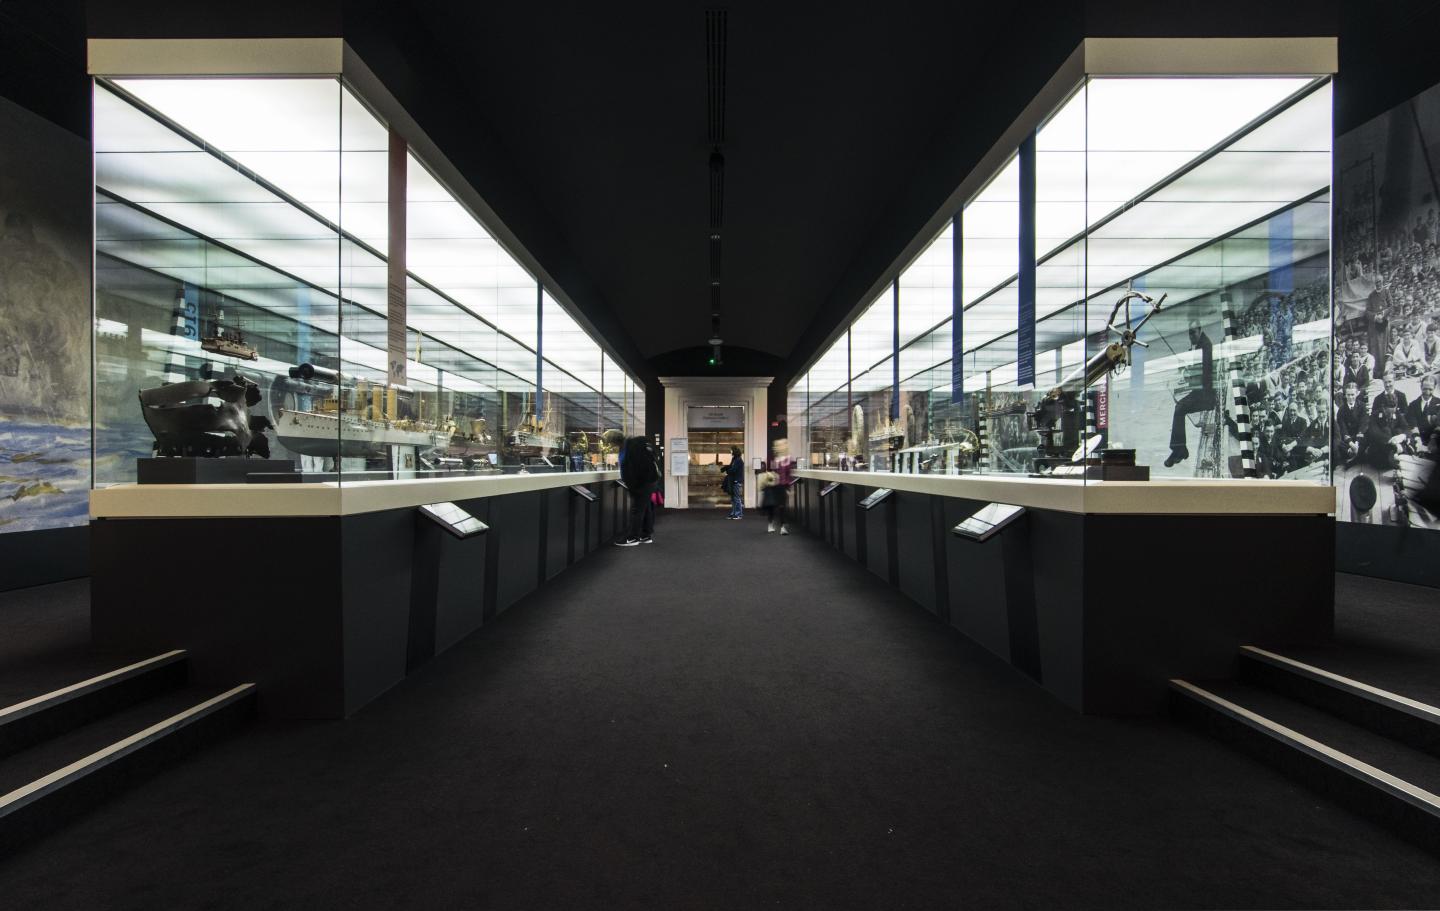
<point x="1359" y="688"/>
<point x="79" y="768"/>
<point x="66" y="693"/>
<point x="1382" y="779"/>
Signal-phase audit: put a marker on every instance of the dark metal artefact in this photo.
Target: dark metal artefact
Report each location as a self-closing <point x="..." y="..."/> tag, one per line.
<point x="186" y="422"/>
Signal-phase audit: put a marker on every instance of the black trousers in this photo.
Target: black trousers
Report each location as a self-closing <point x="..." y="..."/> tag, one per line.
<point x="1198" y="400"/>
<point x="642" y="513"/>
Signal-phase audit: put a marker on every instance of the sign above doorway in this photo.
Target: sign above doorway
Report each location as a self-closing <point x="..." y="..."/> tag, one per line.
<point x="716" y="417"/>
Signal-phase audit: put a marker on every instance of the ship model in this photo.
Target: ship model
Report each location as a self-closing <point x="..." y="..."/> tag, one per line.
<point x="228" y="342"/>
<point x="366" y="428"/>
<point x="469" y="446"/>
<point x="532" y="440"/>
<point x="889" y="435"/>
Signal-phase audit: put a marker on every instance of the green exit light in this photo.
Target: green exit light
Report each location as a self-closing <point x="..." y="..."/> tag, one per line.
<point x="712" y="362"/>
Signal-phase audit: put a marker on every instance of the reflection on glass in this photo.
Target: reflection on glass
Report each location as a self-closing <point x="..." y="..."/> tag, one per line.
<point x="1211" y="194"/>
<point x="242" y="231"/>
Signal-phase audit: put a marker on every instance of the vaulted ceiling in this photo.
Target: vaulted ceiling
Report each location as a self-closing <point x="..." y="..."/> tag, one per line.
<point x="604" y="107"/>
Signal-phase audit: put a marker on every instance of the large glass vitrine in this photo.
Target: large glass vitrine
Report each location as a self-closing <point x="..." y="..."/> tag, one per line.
<point x="1199" y="207"/>
<point x="245" y="299"/>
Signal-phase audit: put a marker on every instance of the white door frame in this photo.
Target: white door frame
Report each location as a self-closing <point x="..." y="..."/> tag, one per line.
<point x="750" y="392"/>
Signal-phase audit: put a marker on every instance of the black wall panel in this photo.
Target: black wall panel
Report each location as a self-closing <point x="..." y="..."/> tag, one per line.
<point x="460" y="599"/>
<point x="914" y="547"/>
<point x="1055" y="542"/>
<point x="515" y="534"/>
<point x="1403" y="554"/>
<point x="976" y="577"/>
<point x="847" y="526"/>
<point x="558" y="505"/>
<point x="877" y="523"/>
<point x="377" y="549"/>
<point x="1144" y="623"/>
<point x="39" y="557"/>
<point x="274" y="619"/>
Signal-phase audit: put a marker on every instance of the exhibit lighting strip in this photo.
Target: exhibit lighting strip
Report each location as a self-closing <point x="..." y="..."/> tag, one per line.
<point x="379" y="358"/>
<point x="341" y="234"/>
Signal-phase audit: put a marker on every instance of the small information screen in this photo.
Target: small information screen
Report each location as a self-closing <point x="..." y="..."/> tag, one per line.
<point x="875" y="498"/>
<point x="454" y="519"/>
<point x="585" y="492"/>
<point x="830" y="488"/>
<point x="988" y="520"/>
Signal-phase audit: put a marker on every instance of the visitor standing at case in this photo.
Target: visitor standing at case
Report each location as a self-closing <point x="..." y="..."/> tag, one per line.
<point x="640" y="472"/>
<point x="734" y="484"/>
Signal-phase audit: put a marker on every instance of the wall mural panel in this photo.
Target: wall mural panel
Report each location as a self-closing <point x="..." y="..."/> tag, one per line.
<point x="1387" y="318"/>
<point x="44" y="324"/>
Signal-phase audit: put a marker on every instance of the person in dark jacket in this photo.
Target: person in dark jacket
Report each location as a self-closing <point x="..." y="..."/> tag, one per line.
<point x="734" y="484"/>
<point x="640" y="472"/>
<point x="1351" y="421"/>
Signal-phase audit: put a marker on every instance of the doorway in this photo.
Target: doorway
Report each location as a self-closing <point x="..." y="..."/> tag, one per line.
<point x="712" y="430"/>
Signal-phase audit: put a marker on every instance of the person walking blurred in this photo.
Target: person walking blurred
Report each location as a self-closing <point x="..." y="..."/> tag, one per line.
<point x="734" y="484"/>
<point x="640" y="472"/>
<point x="775" y="486"/>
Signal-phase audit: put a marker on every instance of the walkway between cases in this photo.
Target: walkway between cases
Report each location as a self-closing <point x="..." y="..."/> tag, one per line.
<point x="724" y="718"/>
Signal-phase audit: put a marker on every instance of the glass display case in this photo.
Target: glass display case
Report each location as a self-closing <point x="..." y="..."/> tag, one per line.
<point x="1142" y="289"/>
<point x="246" y="290"/>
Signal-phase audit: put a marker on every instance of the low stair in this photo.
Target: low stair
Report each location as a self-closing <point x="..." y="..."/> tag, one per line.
<point x="65" y="751"/>
<point x="1375" y="751"/>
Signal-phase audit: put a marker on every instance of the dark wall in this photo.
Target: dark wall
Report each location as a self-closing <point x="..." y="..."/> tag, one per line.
<point x="42" y="60"/>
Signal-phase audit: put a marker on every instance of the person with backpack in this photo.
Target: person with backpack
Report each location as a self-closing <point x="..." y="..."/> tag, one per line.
<point x="640" y="472"/>
<point x="734" y="484"/>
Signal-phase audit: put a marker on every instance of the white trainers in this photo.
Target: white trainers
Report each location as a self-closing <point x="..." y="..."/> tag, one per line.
<point x="784" y="530"/>
<point x="630" y="543"/>
<point x="770" y="528"/>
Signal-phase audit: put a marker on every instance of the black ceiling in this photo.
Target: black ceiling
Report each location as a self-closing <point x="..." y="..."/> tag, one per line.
<point x="604" y="108"/>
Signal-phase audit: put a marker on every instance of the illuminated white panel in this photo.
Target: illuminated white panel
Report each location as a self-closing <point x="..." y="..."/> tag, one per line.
<point x="926" y="295"/>
<point x="991" y="234"/>
<point x="872" y="334"/>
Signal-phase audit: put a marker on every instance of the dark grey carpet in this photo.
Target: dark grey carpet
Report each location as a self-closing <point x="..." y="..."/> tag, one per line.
<point x="723" y="719"/>
<point x="1387" y="634"/>
<point x="45" y="640"/>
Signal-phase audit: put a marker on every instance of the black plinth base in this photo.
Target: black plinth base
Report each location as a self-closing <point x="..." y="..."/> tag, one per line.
<point x="191" y="470"/>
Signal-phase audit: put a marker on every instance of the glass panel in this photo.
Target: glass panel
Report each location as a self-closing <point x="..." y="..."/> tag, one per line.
<point x="1238" y="225"/>
<point x="831" y="443"/>
<point x="872" y="336"/>
<point x="217" y="269"/>
<point x="572" y="391"/>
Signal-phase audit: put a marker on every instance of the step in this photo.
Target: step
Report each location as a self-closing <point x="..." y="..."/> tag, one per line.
<point x="51" y="783"/>
<point x="1405" y="719"/>
<point x="48" y="715"/>
<point x="1372" y="775"/>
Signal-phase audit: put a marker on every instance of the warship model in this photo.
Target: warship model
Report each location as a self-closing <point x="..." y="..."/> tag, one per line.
<point x="362" y="427"/>
<point x="228" y="342"/>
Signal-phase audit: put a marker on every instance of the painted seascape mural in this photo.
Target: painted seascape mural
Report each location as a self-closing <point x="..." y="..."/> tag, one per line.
<point x="44" y="324"/>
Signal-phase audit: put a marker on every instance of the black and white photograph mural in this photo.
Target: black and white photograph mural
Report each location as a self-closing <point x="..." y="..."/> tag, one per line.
<point x="1387" y="318"/>
<point x="44" y="324"/>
